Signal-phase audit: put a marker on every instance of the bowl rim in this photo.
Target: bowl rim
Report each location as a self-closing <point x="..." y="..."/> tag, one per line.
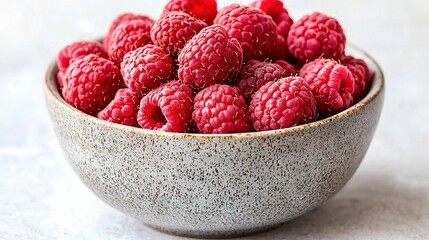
<point x="377" y="85"/>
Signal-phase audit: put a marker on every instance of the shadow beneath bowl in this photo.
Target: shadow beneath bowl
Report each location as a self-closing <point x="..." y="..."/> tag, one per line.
<point x="372" y="206"/>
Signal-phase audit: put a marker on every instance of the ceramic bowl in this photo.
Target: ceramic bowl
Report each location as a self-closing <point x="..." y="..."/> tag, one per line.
<point x="213" y="186"/>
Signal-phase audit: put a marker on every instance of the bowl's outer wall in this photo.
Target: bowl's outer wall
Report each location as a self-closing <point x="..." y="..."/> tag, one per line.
<point x="194" y="184"/>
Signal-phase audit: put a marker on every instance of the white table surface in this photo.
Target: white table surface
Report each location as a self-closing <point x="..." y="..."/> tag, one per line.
<point x="41" y="198"/>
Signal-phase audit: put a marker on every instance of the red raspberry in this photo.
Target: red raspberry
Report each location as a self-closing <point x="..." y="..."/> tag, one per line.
<point x="205" y="10"/>
<point x="210" y="57"/>
<point x="361" y="75"/>
<point x="331" y="83"/>
<point x="282" y="104"/>
<point x="281" y="50"/>
<point x="255" y="30"/>
<point x="91" y="83"/>
<point x="127" y="37"/>
<point x="173" y="30"/>
<point x="221" y="109"/>
<point x="77" y="50"/>
<point x="316" y="35"/>
<point x="255" y="74"/>
<point x="146" y="68"/>
<point x="122" y="109"/>
<point x="123" y="18"/>
<point x="276" y="10"/>
<point x="289" y="68"/>
<point x="167" y="108"/>
<point x="60" y="79"/>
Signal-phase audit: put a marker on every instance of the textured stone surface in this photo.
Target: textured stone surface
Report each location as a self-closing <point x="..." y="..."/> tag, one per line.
<point x="41" y="197"/>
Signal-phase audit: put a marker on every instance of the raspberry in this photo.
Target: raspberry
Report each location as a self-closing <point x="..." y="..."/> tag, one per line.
<point x="285" y="103"/>
<point x="122" y="109"/>
<point x="173" y="30"/>
<point x="91" y="83"/>
<point x="123" y="18"/>
<point x="290" y="70"/>
<point x="77" y="50"/>
<point x="221" y="109"/>
<point x="255" y="30"/>
<point x="332" y="85"/>
<point x="281" y="50"/>
<point x="60" y="79"/>
<point x="146" y="68"/>
<point x="361" y="75"/>
<point x="167" y="108"/>
<point x="276" y="10"/>
<point x="210" y="57"/>
<point x="255" y="74"/>
<point x="127" y="37"/>
<point x="205" y="10"/>
<point x="316" y="35"/>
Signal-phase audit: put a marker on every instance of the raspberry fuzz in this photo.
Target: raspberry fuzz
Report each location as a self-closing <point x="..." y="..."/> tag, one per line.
<point x="75" y="51"/>
<point x="255" y="74"/>
<point x="276" y="10"/>
<point x="127" y="37"/>
<point x="91" y="83"/>
<point x="121" y="19"/>
<point x="146" y="68"/>
<point x="210" y="57"/>
<point x="122" y="109"/>
<point x="173" y="30"/>
<point x="255" y="30"/>
<point x="285" y="103"/>
<point x="221" y="109"/>
<point x="167" y="108"/>
<point x="332" y="85"/>
<point x="316" y="35"/>
<point x="205" y="10"/>
<point x="361" y="75"/>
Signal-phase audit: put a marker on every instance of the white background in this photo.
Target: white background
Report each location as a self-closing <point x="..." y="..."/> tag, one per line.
<point x="41" y="198"/>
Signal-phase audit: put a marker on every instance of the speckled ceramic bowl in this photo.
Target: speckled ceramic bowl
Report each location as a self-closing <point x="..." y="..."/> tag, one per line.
<point x="216" y="185"/>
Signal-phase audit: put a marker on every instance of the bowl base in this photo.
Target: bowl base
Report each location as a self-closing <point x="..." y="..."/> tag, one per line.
<point x="215" y="234"/>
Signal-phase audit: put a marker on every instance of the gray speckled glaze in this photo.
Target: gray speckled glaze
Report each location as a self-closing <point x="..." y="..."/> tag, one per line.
<point x="216" y="185"/>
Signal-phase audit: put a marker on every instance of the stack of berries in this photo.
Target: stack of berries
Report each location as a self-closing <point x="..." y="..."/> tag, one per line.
<point x="199" y="70"/>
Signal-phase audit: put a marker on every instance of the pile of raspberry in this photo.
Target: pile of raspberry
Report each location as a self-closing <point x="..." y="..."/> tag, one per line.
<point x="197" y="69"/>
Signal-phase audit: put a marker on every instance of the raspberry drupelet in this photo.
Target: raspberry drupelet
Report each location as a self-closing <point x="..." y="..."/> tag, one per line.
<point x="167" y="108"/>
<point x="91" y="83"/>
<point x="282" y="104"/>
<point x="221" y="109"/>
<point x="210" y="57"/>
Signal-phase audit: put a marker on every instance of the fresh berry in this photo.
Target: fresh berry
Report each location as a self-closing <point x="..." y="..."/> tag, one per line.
<point x="332" y="85"/>
<point x="121" y="19"/>
<point x="282" y="104"/>
<point x="221" y="109"/>
<point x="127" y="37"/>
<point x="316" y="35"/>
<point x="255" y="30"/>
<point x="167" y="108"/>
<point x="361" y="75"/>
<point x="173" y="30"/>
<point x="122" y="109"/>
<point x="255" y="74"/>
<point x="281" y="50"/>
<point x="91" y="83"/>
<point x="276" y="10"/>
<point x="146" y="68"/>
<point x="78" y="50"/>
<point x="210" y="57"/>
<point x="289" y="68"/>
<point x="205" y="10"/>
<point x="60" y="79"/>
